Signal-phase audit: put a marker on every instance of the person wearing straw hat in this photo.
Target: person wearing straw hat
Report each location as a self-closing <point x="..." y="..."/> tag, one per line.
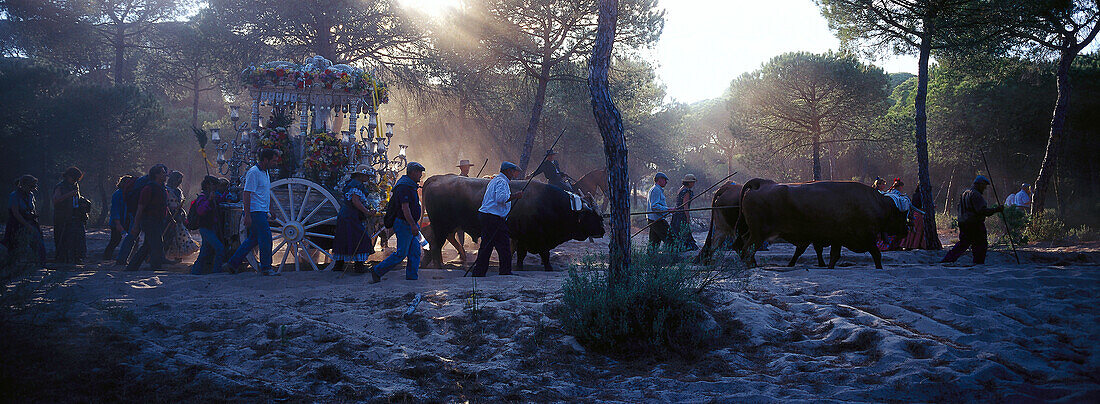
<point x="681" y="220"/>
<point x="360" y="199"/>
<point x="464" y="167"/>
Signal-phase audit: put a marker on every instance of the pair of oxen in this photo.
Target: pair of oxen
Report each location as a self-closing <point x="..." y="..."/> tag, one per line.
<point x="823" y="213"/>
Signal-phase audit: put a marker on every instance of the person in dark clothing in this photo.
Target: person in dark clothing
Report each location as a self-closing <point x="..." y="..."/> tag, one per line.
<point x="130" y="198"/>
<point x="150" y="218"/>
<point x="406" y="225"/>
<point x="212" y="251"/>
<point x="22" y="234"/>
<point x="681" y="221"/>
<point x="972" y="214"/>
<point x="70" y="215"/>
<point x="117" y="221"/>
<point x="550" y="169"/>
<point x="352" y="241"/>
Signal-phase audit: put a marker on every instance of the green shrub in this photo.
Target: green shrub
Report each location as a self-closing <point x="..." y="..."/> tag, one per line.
<point x="657" y="307"/>
<point x="1083" y="233"/>
<point x="1047" y="226"/>
<point x="1018" y="222"/>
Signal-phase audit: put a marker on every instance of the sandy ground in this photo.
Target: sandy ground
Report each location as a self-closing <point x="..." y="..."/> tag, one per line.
<point x="916" y="331"/>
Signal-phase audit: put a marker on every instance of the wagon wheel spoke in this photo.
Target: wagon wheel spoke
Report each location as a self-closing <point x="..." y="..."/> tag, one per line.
<point x="311" y="234"/>
<point x="297" y="257"/>
<point x="305" y="249"/>
<point x="305" y="201"/>
<point x="280" y="206"/>
<point x="273" y="250"/>
<point x="315" y="209"/>
<point x="329" y="256"/>
<point x="286" y="253"/>
<point x="326" y="221"/>
<point x="290" y="200"/>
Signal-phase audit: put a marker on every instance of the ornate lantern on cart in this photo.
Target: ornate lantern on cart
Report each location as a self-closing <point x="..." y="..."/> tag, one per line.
<point x="303" y="200"/>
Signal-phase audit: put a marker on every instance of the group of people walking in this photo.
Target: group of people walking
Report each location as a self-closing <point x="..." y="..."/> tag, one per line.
<point x="677" y="234"/>
<point x="151" y="205"/>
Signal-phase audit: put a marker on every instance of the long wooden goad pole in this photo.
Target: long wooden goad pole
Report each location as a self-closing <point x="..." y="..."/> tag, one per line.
<point x="1008" y="230"/>
<point x="723" y="180"/>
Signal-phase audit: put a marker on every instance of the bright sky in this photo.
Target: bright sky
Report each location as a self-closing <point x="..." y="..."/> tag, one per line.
<point x="708" y="43"/>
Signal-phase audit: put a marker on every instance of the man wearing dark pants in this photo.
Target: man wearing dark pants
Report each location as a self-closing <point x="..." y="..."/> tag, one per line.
<point x="495" y="206"/>
<point x="972" y="214"/>
<point x="658" y="227"/>
<point x="406" y="226"/>
<point x="255" y="199"/>
<point x="150" y="218"/>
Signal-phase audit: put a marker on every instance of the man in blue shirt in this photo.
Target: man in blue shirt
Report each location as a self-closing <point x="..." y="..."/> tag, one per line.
<point x="658" y="227"/>
<point x="117" y="221"/>
<point x="495" y="206"/>
<point x="406" y="225"/>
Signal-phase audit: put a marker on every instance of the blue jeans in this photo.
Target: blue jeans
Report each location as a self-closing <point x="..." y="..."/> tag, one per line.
<point x="211" y="245"/>
<point x="407" y="247"/>
<point x="259" y="234"/>
<point x="127" y="246"/>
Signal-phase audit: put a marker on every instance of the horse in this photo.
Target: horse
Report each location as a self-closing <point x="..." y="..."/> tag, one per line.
<point x="589" y="184"/>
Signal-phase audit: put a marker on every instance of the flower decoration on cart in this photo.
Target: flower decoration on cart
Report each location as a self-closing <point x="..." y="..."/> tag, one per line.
<point x="325" y="154"/>
<point x="315" y="73"/>
<point x="277" y="139"/>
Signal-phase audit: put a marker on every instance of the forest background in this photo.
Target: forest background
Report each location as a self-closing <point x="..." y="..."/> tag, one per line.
<point x="113" y="86"/>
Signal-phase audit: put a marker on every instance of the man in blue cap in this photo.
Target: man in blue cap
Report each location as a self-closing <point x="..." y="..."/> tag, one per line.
<point x="658" y="227"/>
<point x="406" y="224"/>
<point x="972" y="214"/>
<point x="495" y="206"/>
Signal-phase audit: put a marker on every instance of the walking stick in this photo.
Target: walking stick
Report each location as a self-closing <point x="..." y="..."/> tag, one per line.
<point x="688" y="203"/>
<point x="521" y="190"/>
<point x="482" y="168"/>
<point x="1008" y="229"/>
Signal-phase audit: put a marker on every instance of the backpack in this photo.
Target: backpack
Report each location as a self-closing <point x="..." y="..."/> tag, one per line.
<point x="133" y="194"/>
<point x="194" y="220"/>
<point x="391" y="212"/>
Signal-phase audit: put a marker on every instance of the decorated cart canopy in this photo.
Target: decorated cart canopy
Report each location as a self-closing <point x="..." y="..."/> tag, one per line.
<point x="317" y="82"/>
<point x="309" y="105"/>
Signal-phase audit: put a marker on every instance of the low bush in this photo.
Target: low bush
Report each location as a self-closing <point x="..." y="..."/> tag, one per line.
<point x="656" y="308"/>
<point x="1047" y="226"/>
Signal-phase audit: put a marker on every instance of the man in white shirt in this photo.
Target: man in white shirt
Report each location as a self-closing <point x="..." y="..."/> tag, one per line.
<point x="255" y="199"/>
<point x="658" y="231"/>
<point x="1023" y="198"/>
<point x="495" y="206"/>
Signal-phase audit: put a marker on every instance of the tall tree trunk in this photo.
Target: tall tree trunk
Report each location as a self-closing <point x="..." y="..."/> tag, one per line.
<point x="105" y="199"/>
<point x="1057" y="132"/>
<point x="817" y="154"/>
<point x="614" y="143"/>
<point x="536" y="116"/>
<point x="921" y="138"/>
<point x="195" y="103"/>
<point x="120" y="54"/>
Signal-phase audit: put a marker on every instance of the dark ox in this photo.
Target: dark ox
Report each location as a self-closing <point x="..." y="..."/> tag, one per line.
<point x="723" y="223"/>
<point x="539" y="222"/>
<point x="833" y="213"/>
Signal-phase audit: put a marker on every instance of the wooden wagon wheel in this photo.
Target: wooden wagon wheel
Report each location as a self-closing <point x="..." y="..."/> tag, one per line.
<point x="305" y="214"/>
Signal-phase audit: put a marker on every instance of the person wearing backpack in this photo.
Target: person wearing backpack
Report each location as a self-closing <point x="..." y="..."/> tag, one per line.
<point x="150" y="218"/>
<point x="203" y="216"/>
<point x="132" y="194"/>
<point x="403" y="215"/>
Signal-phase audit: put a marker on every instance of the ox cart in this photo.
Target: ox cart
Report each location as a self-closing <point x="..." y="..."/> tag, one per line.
<point x="317" y="154"/>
